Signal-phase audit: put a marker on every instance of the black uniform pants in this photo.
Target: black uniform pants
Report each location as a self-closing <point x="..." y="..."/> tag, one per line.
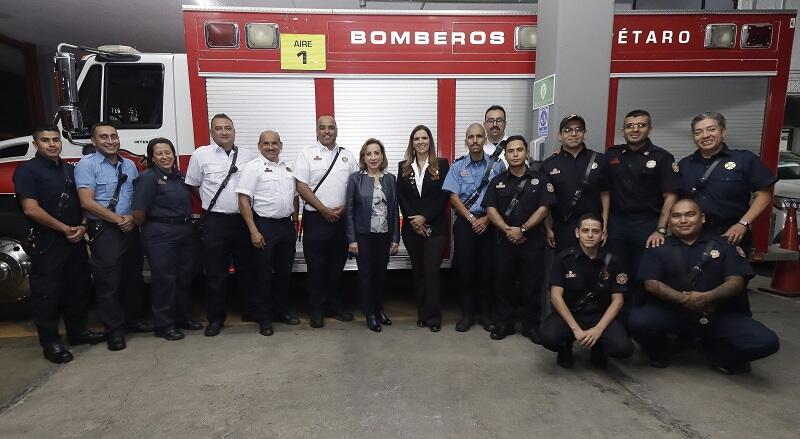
<point x="116" y="262"/>
<point x="525" y="262"/>
<point x="426" y="259"/>
<point x="226" y="236"/>
<point x="557" y="336"/>
<point x="729" y="338"/>
<point x="60" y="285"/>
<point x="373" y="256"/>
<point x="170" y="248"/>
<point x="274" y="267"/>
<point x="475" y="267"/>
<point x="627" y="237"/>
<point x="325" y="251"/>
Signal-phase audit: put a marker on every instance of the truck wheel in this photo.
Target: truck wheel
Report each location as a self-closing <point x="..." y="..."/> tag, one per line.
<point x="15" y="264"/>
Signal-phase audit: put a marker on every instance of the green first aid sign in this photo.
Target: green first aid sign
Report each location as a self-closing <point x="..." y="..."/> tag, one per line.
<point x="544" y="92"/>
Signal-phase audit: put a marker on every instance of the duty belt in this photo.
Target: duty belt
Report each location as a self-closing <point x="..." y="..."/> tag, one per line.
<point x="170" y="219"/>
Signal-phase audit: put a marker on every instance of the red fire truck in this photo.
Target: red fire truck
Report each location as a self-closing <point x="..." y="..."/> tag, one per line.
<point x="382" y="73"/>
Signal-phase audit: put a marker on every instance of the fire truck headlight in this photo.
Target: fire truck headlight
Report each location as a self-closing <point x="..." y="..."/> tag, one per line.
<point x="525" y="38"/>
<point x="222" y="35"/>
<point x="262" y="35"/>
<point x="720" y="36"/>
<point x="756" y="35"/>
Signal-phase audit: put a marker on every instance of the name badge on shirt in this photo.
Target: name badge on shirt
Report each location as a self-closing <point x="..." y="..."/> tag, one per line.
<point x="570" y="275"/>
<point x="317" y="158"/>
<point x="267" y="170"/>
<point x="162" y="180"/>
<point x="464" y="173"/>
<point x="500" y="185"/>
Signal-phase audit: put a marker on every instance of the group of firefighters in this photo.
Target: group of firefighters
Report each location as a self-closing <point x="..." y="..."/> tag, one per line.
<point x="644" y="247"/>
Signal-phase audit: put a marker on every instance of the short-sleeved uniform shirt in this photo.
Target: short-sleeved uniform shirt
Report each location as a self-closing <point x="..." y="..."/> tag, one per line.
<point x="638" y="179"/>
<point x="465" y="176"/>
<point x="726" y="193"/>
<point x="311" y="165"/>
<point x="96" y="172"/>
<point x="567" y="173"/>
<point x="45" y="181"/>
<point x="579" y="274"/>
<point x="271" y="187"/>
<point x="162" y="195"/>
<point x="208" y="168"/>
<point x="537" y="191"/>
<point x="671" y="262"/>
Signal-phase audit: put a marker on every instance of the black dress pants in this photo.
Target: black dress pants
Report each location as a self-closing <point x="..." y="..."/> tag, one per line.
<point x="525" y="262"/>
<point x="426" y="260"/>
<point x="557" y="336"/>
<point x="170" y="248"/>
<point x="274" y="267"/>
<point x="116" y="262"/>
<point x="475" y="267"/>
<point x="325" y="251"/>
<point x="60" y="286"/>
<point x="226" y="236"/>
<point x="372" y="259"/>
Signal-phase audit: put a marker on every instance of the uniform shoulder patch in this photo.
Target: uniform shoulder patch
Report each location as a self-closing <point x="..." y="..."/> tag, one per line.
<point x="460" y="158"/>
<point x="622" y="278"/>
<point x="550" y="187"/>
<point x="675" y="168"/>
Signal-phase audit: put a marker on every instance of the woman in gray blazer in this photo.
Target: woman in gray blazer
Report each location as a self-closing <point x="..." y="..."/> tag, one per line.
<point x="373" y="227"/>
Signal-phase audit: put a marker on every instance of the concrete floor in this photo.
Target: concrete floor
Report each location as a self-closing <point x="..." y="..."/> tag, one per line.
<point x="345" y="381"/>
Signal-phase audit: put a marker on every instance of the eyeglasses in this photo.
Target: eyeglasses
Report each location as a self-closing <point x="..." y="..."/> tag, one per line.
<point x="497" y="121"/>
<point x="640" y="125"/>
<point x="573" y="130"/>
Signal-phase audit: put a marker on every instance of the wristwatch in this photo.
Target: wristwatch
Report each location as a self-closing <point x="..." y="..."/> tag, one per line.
<point x="523" y="229"/>
<point x="662" y="230"/>
<point x="744" y="223"/>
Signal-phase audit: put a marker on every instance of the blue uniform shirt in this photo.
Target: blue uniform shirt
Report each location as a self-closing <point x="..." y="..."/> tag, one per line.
<point x="465" y="176"/>
<point x="96" y="172"/>
<point x="162" y="195"/>
<point x="726" y="194"/>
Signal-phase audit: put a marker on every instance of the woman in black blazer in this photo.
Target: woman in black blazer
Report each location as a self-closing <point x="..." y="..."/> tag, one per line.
<point x="373" y="227"/>
<point x="425" y="228"/>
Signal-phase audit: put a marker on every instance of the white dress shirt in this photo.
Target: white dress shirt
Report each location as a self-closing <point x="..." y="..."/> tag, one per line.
<point x="420" y="174"/>
<point x="311" y="165"/>
<point x="271" y="187"/>
<point x="489" y="147"/>
<point x="207" y="169"/>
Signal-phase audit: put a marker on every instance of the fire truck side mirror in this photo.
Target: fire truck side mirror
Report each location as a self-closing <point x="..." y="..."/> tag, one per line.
<point x="67" y="89"/>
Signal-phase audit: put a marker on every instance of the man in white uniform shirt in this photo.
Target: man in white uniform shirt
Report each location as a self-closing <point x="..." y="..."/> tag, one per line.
<point x="494" y="121"/>
<point x="268" y="204"/>
<point x="321" y="172"/>
<point x="225" y="234"/>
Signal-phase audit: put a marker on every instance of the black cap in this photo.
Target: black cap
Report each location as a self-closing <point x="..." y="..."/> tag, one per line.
<point x="570" y="118"/>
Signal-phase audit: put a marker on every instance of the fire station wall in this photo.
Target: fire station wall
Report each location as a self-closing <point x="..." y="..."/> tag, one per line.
<point x="386" y="109"/>
<point x="286" y="105"/>
<point x="673" y="102"/>
<point x="474" y="96"/>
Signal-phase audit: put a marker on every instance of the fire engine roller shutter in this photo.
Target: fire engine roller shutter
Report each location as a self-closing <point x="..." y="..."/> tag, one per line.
<point x="286" y="105"/>
<point x="386" y="109"/>
<point x="673" y="102"/>
<point x="474" y="96"/>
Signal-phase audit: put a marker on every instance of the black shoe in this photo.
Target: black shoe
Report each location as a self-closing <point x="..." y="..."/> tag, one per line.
<point x="139" y="327"/>
<point x="317" y="322"/>
<point x="373" y="324"/>
<point x="213" y="328"/>
<point x="436" y="327"/>
<point x="342" y="316"/>
<point x="565" y="358"/>
<point x="501" y="332"/>
<point x="56" y="353"/>
<point x="286" y="318"/>
<point x="384" y="319"/>
<point x="85" y="337"/>
<point x="598" y="358"/>
<point x="116" y="340"/>
<point x="421" y="324"/>
<point x="265" y="329"/>
<point x="169" y="333"/>
<point x="533" y="334"/>
<point x="191" y="325"/>
<point x="487" y="325"/>
<point x="464" y="324"/>
<point x="659" y="362"/>
<point x="732" y="369"/>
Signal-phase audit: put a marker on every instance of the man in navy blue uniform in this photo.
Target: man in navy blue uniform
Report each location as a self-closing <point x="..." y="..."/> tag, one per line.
<point x="467" y="181"/>
<point x="578" y="175"/>
<point x="45" y="187"/>
<point x="643" y="182"/>
<point x="517" y="202"/>
<point x="696" y="286"/>
<point x="722" y="180"/>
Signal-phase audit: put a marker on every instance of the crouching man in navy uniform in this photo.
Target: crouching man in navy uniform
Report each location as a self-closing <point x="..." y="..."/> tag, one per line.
<point x="696" y="286"/>
<point x="586" y="289"/>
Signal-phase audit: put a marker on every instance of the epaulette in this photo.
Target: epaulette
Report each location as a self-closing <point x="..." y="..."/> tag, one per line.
<point x="460" y="158"/>
<point x="552" y="156"/>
